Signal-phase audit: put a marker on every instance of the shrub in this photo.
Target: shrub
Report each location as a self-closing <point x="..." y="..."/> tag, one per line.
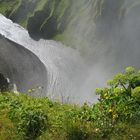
<point x="32" y="123"/>
<point x="31" y="120"/>
<point x="118" y="103"/>
<point x="115" y="116"/>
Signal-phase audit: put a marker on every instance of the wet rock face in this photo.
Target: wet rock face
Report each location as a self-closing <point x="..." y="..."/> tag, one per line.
<point x="4" y="83"/>
<point x="21" y="66"/>
<point x="86" y="20"/>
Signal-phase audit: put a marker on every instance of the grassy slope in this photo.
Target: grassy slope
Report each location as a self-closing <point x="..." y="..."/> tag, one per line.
<point x="115" y="117"/>
<point x="64" y="121"/>
<point x="56" y="113"/>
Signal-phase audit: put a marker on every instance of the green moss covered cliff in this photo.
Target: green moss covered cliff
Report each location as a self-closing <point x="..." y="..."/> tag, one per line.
<point x="77" y="23"/>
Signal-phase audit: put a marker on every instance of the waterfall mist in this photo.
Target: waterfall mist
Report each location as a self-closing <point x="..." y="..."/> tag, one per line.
<point x="112" y="40"/>
<point x="103" y="39"/>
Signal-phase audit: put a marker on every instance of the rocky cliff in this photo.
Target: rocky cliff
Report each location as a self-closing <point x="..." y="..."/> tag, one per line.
<point x="82" y="24"/>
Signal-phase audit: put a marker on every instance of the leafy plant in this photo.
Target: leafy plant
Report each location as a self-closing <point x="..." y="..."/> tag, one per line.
<point x="31" y="121"/>
<point x="119" y="102"/>
<point x="115" y="116"/>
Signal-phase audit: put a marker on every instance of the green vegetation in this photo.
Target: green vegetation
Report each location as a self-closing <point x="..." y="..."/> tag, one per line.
<point x="116" y="116"/>
<point x="8" y="6"/>
<point x="76" y="23"/>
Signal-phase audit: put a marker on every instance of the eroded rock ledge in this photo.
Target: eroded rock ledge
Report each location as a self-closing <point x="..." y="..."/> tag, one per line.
<point x="21" y="66"/>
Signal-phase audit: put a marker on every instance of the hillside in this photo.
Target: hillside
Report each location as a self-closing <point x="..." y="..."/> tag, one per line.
<point x="53" y="54"/>
<point x="115" y="116"/>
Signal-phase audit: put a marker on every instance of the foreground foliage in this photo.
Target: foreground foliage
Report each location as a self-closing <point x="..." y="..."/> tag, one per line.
<point x="116" y="116"/>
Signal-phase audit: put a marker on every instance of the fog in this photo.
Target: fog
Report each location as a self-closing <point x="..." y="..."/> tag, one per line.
<point x="112" y="42"/>
<point x="103" y="46"/>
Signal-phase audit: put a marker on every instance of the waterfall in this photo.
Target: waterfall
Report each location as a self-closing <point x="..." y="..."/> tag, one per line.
<point x="64" y="67"/>
<point x="101" y="38"/>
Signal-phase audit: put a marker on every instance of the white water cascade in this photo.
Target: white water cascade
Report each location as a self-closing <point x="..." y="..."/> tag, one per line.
<point x="58" y="69"/>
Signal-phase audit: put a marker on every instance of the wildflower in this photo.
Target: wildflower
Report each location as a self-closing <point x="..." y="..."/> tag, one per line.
<point x="106" y="96"/>
<point x="110" y="110"/>
<point x="29" y="90"/>
<point x="115" y="116"/>
<point x="97" y="130"/>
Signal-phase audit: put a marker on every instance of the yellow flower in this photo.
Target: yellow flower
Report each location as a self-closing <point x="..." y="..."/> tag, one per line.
<point x="115" y="116"/>
<point x="106" y="96"/>
<point x="29" y="90"/>
<point x="110" y="110"/>
<point x="97" y="130"/>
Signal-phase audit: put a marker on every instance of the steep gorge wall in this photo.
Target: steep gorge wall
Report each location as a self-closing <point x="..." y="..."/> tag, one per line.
<point x="53" y="18"/>
<point x="22" y="67"/>
<point x="95" y="27"/>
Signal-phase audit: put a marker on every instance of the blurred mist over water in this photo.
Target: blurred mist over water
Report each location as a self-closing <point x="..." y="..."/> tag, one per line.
<point x="104" y="38"/>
